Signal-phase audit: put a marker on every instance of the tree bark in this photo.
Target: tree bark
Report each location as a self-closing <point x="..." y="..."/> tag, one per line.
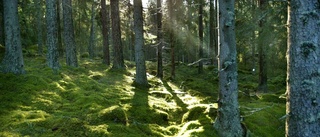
<point x="1" y="24"/>
<point x="171" y="37"/>
<point x="52" y="38"/>
<point x="105" y="18"/>
<point x="303" y="73"/>
<point x="59" y="28"/>
<point x="70" y="44"/>
<point x="227" y="122"/>
<point x="92" y="39"/>
<point x="118" y="61"/>
<point x="13" y="59"/>
<point x="262" y="49"/>
<point x="141" y="77"/>
<point x="38" y="4"/>
<point x="200" y="24"/>
<point x="159" y="38"/>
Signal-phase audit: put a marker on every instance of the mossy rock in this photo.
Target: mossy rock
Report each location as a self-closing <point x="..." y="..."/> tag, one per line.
<point x="115" y="114"/>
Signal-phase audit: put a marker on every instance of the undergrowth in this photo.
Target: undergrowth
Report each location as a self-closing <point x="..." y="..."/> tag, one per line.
<point x="94" y="100"/>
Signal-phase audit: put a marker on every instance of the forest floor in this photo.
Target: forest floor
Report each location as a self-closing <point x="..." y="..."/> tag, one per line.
<point x="94" y="100"/>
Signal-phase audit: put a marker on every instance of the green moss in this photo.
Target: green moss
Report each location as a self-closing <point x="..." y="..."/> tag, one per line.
<point x="93" y="100"/>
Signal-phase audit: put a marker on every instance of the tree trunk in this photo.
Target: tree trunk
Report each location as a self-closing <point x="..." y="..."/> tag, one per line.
<point x="159" y="38"/>
<point x="105" y="21"/>
<point x="141" y="77"/>
<point x="200" y="24"/>
<point x="171" y="37"/>
<point x="70" y="44"/>
<point x="118" y="61"/>
<point x="227" y="122"/>
<point x="263" y="44"/>
<point x="303" y="73"/>
<point x="38" y="4"/>
<point x="52" y="39"/>
<point x="59" y="28"/>
<point x="92" y="39"/>
<point x="211" y="31"/>
<point x="1" y="24"/>
<point x="13" y="59"/>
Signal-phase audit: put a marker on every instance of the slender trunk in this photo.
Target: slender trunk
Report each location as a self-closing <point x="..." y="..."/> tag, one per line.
<point x="118" y="61"/>
<point x="1" y="24"/>
<point x="92" y="40"/>
<point x="171" y="35"/>
<point x="200" y="24"/>
<point x="38" y="4"/>
<point x="263" y="77"/>
<point x="159" y="38"/>
<point x="141" y="77"/>
<point x="303" y="73"/>
<point x="59" y="28"/>
<point x="13" y="59"/>
<point x="70" y="44"/>
<point x="52" y="38"/>
<point x="105" y="21"/>
<point x="211" y="31"/>
<point x="227" y="122"/>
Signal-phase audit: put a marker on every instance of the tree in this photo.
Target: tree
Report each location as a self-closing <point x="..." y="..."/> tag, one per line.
<point x="303" y="76"/>
<point x="159" y="38"/>
<point x="227" y="122"/>
<point x="70" y="44"/>
<point x="200" y="24"/>
<point x="52" y="39"/>
<point x="105" y="21"/>
<point x="263" y="77"/>
<point x="92" y="45"/>
<point x="212" y="31"/>
<point x="13" y="59"/>
<point x="59" y="28"/>
<point x="141" y="77"/>
<point x="38" y="4"/>
<point x="171" y="36"/>
<point x="118" y="61"/>
<point x="2" y="24"/>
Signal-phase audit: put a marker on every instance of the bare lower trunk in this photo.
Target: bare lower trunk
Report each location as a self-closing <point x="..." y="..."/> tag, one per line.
<point x="70" y="44"/>
<point x="227" y="122"/>
<point x="105" y="20"/>
<point x="13" y="59"/>
<point x="303" y="73"/>
<point x="118" y="61"/>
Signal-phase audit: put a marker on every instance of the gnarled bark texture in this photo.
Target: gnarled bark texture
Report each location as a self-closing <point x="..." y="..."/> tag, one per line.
<point x="303" y="69"/>
<point x="227" y="122"/>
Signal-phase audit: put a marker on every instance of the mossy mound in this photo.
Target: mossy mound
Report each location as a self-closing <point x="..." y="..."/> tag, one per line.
<point x="115" y="114"/>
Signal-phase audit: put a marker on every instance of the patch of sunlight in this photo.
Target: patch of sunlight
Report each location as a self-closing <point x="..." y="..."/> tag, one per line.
<point x="189" y="100"/>
<point x="59" y="86"/>
<point x="190" y="128"/>
<point x="207" y="106"/>
<point x="99" y="129"/>
<point x="9" y="134"/>
<point x="33" y="115"/>
<point x="160" y="103"/>
<point x="65" y="76"/>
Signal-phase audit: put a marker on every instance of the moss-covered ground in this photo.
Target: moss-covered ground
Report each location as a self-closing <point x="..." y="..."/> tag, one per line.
<point x="94" y="100"/>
